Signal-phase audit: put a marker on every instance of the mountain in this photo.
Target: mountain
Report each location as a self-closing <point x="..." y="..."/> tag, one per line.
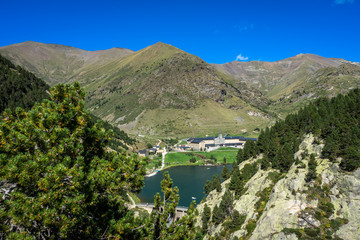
<point x="56" y="63"/>
<point x="171" y="88"/>
<point x="275" y="79"/>
<point x="325" y="82"/>
<point x="163" y="91"/>
<point x="160" y="90"/>
<point x="294" y="82"/>
<point x="18" y="87"/>
<point x="300" y="180"/>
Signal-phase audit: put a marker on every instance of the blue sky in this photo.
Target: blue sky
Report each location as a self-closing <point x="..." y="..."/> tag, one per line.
<point x="216" y="31"/>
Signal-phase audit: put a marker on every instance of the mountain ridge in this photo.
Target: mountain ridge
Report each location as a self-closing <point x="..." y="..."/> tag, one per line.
<point x="126" y="88"/>
<point x="56" y="63"/>
<point x="269" y="77"/>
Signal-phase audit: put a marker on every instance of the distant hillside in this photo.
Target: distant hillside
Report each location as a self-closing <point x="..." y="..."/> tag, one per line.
<point x="163" y="91"/>
<point x="160" y="90"/>
<point x="325" y="82"/>
<point x="294" y="82"/>
<point x="168" y="86"/>
<point x="56" y="63"/>
<point x="275" y="79"/>
<point x="18" y="87"/>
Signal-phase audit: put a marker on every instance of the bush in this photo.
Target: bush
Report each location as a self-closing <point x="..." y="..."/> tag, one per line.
<point x="250" y="226"/>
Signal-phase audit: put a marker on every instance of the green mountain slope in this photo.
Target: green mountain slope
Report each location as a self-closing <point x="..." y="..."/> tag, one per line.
<point x="18" y="87"/>
<point x="326" y="82"/>
<point x="179" y="92"/>
<point x="56" y="63"/>
<point x="275" y="79"/>
<point x="162" y="82"/>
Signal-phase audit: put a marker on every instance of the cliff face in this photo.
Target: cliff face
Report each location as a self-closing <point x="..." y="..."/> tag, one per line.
<point x="289" y="207"/>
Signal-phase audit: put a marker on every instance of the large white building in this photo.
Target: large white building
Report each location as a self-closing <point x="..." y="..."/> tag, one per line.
<point x="211" y="143"/>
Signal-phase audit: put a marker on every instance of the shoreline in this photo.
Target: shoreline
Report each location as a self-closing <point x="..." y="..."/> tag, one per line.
<point x="167" y="167"/>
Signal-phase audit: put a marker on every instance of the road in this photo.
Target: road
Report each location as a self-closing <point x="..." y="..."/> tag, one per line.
<point x="162" y="164"/>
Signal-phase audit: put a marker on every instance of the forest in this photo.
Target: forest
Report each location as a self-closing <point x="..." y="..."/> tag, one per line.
<point x="18" y="87"/>
<point x="335" y="122"/>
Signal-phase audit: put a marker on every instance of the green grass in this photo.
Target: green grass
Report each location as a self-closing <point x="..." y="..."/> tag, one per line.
<point x="178" y="158"/>
<point x="181" y="158"/>
<point x="152" y="162"/>
<point x="207" y="118"/>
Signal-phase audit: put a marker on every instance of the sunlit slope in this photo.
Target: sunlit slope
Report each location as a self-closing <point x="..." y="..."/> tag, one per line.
<point x="164" y="79"/>
<point x="56" y="63"/>
<point x="326" y="82"/>
<point x="276" y="79"/>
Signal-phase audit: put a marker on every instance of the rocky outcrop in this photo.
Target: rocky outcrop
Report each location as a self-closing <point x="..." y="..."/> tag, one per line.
<point x="293" y="202"/>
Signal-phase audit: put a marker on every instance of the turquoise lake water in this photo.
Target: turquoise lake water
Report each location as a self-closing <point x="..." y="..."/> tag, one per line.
<point x="189" y="179"/>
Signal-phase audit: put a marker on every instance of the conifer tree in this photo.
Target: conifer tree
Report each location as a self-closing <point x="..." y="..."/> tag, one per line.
<point x="162" y="223"/>
<point x="58" y="179"/>
<point x="216" y="182"/>
<point x="311" y="169"/>
<point x="226" y="204"/>
<point x="225" y="174"/>
<point x="205" y="218"/>
<point x="235" y="182"/>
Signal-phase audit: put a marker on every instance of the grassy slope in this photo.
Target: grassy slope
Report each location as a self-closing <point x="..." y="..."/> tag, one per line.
<point x="276" y="79"/>
<point x="208" y="118"/>
<point x="158" y="81"/>
<point x="56" y="63"/>
<point x="181" y="158"/>
<point x="326" y="82"/>
<point x="176" y="93"/>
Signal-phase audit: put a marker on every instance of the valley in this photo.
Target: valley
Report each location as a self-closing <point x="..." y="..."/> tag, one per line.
<point x="293" y="175"/>
<point x="161" y="91"/>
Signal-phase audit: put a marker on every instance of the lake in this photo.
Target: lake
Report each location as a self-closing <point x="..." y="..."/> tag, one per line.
<point x="189" y="179"/>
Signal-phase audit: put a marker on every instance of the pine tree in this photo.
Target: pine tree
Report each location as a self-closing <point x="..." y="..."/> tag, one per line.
<point x="311" y="169"/>
<point x="216" y="182"/>
<point x="205" y="218"/>
<point x="225" y="174"/>
<point x="235" y="182"/>
<point x="62" y="181"/>
<point x="226" y="204"/>
<point x="208" y="187"/>
<point x="237" y="221"/>
<point x="218" y="215"/>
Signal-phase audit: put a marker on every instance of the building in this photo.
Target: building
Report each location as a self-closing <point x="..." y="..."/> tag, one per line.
<point x="143" y="153"/>
<point x="212" y="143"/>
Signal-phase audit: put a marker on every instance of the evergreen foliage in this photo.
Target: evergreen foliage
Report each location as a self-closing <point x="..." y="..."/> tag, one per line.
<point x="311" y="175"/>
<point x="226" y="204"/>
<point x="218" y="215"/>
<point x="225" y="174"/>
<point x="119" y="140"/>
<point x="215" y="183"/>
<point x="335" y="120"/>
<point x="205" y="218"/>
<point x="237" y="221"/>
<point x="239" y="179"/>
<point x="57" y="178"/>
<point x="162" y="223"/>
<point x="18" y="87"/>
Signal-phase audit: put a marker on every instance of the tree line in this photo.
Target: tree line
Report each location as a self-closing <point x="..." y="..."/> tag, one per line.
<point x="334" y="121"/>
